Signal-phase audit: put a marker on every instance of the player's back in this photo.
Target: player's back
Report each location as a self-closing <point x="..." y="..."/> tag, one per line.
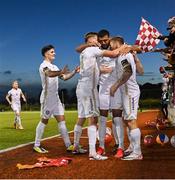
<point x="88" y="65"/>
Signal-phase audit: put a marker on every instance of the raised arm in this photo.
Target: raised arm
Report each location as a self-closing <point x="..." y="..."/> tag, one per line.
<point x="80" y="48"/>
<point x="127" y="72"/>
<point x="139" y="66"/>
<point x="124" y="49"/>
<point x="50" y="73"/>
<point x="129" y="48"/>
<point x="111" y="54"/>
<point x="69" y="75"/>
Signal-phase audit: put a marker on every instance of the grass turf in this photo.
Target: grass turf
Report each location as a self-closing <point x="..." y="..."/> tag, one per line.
<point x="10" y="137"/>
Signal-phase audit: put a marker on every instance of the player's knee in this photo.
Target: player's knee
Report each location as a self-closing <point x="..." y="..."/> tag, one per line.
<point x="104" y="113"/>
<point x="117" y="113"/>
<point x="80" y="121"/>
<point x="132" y="124"/>
<point x="45" y="121"/>
<point x="92" y="121"/>
<point x="59" y="118"/>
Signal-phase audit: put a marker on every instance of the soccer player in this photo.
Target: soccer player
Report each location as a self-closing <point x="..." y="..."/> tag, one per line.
<point x="49" y="99"/>
<point x="87" y="94"/>
<point x="15" y="95"/>
<point x="164" y="103"/>
<point x="106" y="102"/>
<point x="126" y="80"/>
<point x="105" y="71"/>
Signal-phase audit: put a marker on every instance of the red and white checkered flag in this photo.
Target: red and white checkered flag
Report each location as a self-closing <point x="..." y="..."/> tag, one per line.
<point x="146" y="37"/>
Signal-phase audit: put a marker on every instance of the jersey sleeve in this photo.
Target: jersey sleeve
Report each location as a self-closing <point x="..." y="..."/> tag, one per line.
<point x="43" y="67"/>
<point x="20" y="91"/>
<point x="56" y="68"/>
<point x="9" y="93"/>
<point x="97" y="52"/>
<point x="125" y="63"/>
<point x="128" y="61"/>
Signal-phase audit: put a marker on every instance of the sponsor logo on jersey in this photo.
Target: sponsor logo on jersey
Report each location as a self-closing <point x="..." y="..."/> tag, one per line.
<point x="124" y="63"/>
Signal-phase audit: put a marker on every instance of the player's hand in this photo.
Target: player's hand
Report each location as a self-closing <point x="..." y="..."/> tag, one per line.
<point x="155" y="36"/>
<point x="136" y="59"/>
<point x="113" y="89"/>
<point x="77" y="69"/>
<point x="65" y="70"/>
<point x="105" y="69"/>
<point x="124" y="49"/>
<point x="10" y="103"/>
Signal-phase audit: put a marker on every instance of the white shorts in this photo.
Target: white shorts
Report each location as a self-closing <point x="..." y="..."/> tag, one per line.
<point x="16" y="107"/>
<point x="130" y="106"/>
<point x="51" y="106"/>
<point x="108" y="102"/>
<point x="88" y="102"/>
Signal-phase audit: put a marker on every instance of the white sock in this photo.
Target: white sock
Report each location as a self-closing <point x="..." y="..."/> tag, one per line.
<point x="77" y="134"/>
<point x="114" y="133"/>
<point x="64" y="134"/>
<point x="19" y="120"/>
<point x="92" y="135"/>
<point x="119" y="130"/>
<point x="39" y="133"/>
<point x="130" y="140"/>
<point x="136" y="137"/>
<point x="15" y="120"/>
<point x="102" y="130"/>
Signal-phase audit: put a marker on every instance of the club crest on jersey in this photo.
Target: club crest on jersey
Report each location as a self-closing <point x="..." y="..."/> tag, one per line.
<point x="47" y="112"/>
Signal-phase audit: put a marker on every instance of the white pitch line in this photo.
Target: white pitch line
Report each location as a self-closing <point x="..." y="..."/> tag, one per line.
<point x="26" y="144"/>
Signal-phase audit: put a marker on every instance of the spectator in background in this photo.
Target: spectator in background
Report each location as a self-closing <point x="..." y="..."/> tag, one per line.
<point x="164" y="103"/>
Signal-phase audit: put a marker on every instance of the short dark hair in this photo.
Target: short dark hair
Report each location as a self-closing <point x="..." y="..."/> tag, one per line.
<point x="90" y="34"/>
<point x="103" y="33"/>
<point x="46" y="48"/>
<point x="118" y="38"/>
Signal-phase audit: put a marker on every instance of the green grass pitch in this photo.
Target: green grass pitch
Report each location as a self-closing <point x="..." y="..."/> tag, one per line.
<point x="10" y="137"/>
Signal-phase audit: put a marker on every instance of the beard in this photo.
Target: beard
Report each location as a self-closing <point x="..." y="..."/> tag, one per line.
<point x="105" y="46"/>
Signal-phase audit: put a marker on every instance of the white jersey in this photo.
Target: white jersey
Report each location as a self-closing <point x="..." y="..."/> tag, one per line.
<point x="49" y="84"/>
<point x="107" y="79"/>
<point x="130" y="87"/>
<point x="165" y="80"/>
<point x="88" y="66"/>
<point x="15" y="95"/>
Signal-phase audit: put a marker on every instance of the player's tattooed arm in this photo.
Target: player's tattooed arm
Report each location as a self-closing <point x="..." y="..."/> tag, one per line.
<point x="139" y="66"/>
<point x="80" y="48"/>
<point x="111" y="54"/>
<point x="8" y="99"/>
<point x="124" y="49"/>
<point x="50" y="73"/>
<point x="69" y="75"/>
<point x="127" y="72"/>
